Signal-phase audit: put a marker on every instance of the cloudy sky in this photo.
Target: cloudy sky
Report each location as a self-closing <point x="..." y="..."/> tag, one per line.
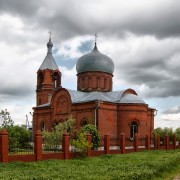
<point x="142" y="37"/>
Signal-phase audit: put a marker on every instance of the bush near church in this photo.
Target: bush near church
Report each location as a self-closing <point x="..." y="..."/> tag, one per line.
<point x="89" y="128"/>
<point x="81" y="144"/>
<point x="54" y="137"/>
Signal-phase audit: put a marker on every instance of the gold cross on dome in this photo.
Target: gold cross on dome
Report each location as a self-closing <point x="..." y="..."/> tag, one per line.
<point x="50" y="33"/>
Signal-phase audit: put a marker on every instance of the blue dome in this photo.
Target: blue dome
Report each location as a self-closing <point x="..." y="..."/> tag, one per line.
<point x="95" y="61"/>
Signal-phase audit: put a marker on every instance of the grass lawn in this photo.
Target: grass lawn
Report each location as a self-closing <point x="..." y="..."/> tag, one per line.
<point x="141" y="165"/>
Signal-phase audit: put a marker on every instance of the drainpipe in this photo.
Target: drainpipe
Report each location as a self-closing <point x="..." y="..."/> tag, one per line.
<point x="95" y="114"/>
<point x="155" y="112"/>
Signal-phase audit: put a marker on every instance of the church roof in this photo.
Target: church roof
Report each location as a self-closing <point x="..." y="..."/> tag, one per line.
<point x="49" y="62"/>
<point x="95" y="61"/>
<point x="114" y="97"/>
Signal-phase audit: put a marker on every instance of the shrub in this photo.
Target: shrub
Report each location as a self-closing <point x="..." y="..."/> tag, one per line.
<point x="81" y="144"/>
<point x="53" y="139"/>
<point x="89" y="128"/>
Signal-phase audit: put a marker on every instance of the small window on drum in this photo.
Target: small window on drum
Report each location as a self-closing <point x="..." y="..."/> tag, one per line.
<point x="43" y="126"/>
<point x="134" y="129"/>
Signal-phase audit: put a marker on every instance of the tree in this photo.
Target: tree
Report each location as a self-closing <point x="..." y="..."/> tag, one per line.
<point x="18" y="136"/>
<point x="162" y="132"/>
<point x="177" y="132"/>
<point x="169" y="132"/>
<point x="89" y="128"/>
<point x="5" y="119"/>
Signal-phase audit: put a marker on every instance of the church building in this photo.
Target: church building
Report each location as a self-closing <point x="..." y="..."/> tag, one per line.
<point x="94" y="102"/>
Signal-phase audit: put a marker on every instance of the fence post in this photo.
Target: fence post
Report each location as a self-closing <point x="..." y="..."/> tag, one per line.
<point x="158" y="142"/>
<point x="174" y="141"/>
<point x="89" y="153"/>
<point x="4" y="145"/>
<point x="166" y="139"/>
<point x="136" y="142"/>
<point x="147" y="142"/>
<point x="122" y="143"/>
<point x="66" y="145"/>
<point x="38" y="145"/>
<point x="106" y="143"/>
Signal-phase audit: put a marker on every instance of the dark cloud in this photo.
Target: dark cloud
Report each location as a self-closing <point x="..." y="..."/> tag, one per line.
<point x="173" y="110"/>
<point x="162" y="23"/>
<point x="163" y="89"/>
<point x="69" y="18"/>
<point x="16" y="90"/>
<point x="155" y="66"/>
<point x="160" y="20"/>
<point x="20" y="7"/>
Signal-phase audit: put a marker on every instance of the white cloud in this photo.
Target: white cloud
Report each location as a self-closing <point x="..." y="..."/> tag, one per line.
<point x="69" y="48"/>
<point x="69" y="78"/>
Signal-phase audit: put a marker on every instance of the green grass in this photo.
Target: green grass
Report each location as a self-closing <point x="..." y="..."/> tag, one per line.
<point x="169" y="175"/>
<point x="141" y="165"/>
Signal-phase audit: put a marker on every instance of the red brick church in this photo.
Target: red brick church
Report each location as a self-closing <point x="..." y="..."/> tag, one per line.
<point x="112" y="112"/>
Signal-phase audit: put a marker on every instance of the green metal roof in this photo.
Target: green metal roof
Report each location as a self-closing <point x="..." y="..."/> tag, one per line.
<point x="95" y="61"/>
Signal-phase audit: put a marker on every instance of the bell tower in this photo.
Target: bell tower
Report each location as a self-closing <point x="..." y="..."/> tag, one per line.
<point x="48" y="77"/>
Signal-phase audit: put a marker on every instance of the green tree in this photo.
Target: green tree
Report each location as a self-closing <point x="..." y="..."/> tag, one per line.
<point x="89" y="128"/>
<point x="18" y="136"/>
<point x="5" y="119"/>
<point x="177" y="132"/>
<point x="163" y="132"/>
<point x="169" y="132"/>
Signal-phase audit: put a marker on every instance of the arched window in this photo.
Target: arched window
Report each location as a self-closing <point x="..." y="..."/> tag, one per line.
<point x="39" y="101"/>
<point x="56" y="80"/>
<point x="134" y="129"/>
<point x="40" y="80"/>
<point x="43" y="126"/>
<point x="55" y="123"/>
<point x="84" y="122"/>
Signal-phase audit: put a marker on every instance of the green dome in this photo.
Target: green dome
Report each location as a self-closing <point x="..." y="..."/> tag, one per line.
<point x="95" y="61"/>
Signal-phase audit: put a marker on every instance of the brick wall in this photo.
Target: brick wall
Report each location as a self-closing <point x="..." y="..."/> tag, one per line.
<point x="94" y="81"/>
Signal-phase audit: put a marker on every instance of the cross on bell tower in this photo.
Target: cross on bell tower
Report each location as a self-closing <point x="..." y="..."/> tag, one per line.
<point x="50" y="33"/>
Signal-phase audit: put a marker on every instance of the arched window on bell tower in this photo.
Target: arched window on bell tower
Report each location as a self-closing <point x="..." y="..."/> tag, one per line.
<point x="56" y="80"/>
<point x="40" y="80"/>
<point x="39" y="101"/>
